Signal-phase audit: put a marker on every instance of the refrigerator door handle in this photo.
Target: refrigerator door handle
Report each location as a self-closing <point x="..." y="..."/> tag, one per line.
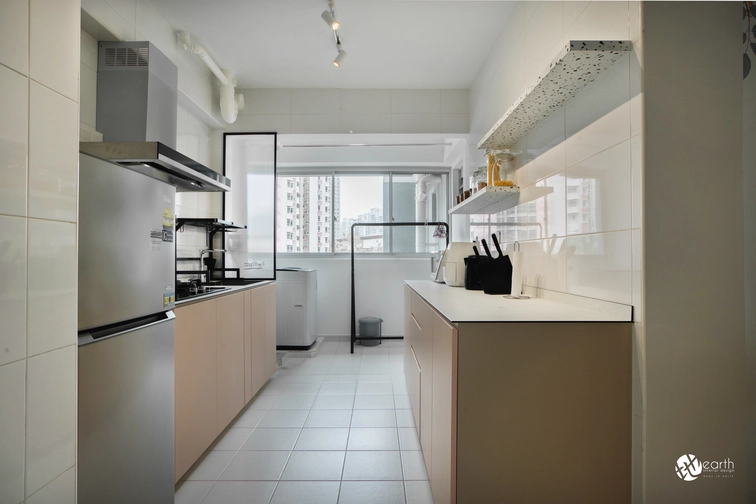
<point x="113" y="330"/>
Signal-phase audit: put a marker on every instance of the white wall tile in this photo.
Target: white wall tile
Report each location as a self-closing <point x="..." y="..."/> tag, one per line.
<point x="530" y="9"/>
<point x="634" y="20"/>
<point x="316" y="123"/>
<point x="416" y="123"/>
<point x="637" y="275"/>
<point x="267" y="101"/>
<point x="545" y="150"/>
<point x="12" y="419"/>
<point x="366" y="101"/>
<point x="601" y="21"/>
<point x="52" y="285"/>
<point x="636" y="89"/>
<point x="265" y="123"/>
<point x="53" y="154"/>
<point x="551" y="208"/>
<point x="62" y="490"/>
<point x="572" y="11"/>
<point x="151" y="26"/>
<point x="544" y="264"/>
<point x="108" y="17"/>
<point x="88" y="96"/>
<point x="315" y="101"/>
<point x="14" y="35"/>
<point x="12" y="289"/>
<point x="599" y="116"/>
<point x="14" y="103"/>
<point x="415" y="101"/>
<point x="608" y="178"/>
<point x="89" y="50"/>
<point x="512" y="75"/>
<point x="126" y="9"/>
<point x="599" y="266"/>
<point x="455" y="123"/>
<point x="454" y="101"/>
<point x="542" y="31"/>
<point x="636" y="144"/>
<point x="50" y="417"/>
<point x="54" y="45"/>
<point x="366" y="123"/>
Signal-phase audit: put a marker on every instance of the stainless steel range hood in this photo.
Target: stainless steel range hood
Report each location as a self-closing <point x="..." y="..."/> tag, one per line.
<point x="161" y="162"/>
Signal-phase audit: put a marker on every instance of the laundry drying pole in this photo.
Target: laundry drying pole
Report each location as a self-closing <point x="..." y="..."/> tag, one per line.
<point x="383" y="224"/>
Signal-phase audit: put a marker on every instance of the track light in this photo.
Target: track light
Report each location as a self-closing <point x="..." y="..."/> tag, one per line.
<point x="340" y="57"/>
<point x="330" y="20"/>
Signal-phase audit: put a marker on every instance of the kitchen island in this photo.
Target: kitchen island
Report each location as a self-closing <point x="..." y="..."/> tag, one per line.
<point x="523" y="400"/>
<point x="225" y="351"/>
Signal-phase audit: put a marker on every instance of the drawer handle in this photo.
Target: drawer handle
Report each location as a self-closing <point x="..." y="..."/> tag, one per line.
<point x="416" y="322"/>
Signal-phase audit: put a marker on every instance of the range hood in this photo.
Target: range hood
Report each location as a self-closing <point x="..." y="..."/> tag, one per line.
<point x="159" y="161"/>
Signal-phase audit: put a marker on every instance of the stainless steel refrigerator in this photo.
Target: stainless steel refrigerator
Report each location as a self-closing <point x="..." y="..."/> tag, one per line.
<point x="126" y="294"/>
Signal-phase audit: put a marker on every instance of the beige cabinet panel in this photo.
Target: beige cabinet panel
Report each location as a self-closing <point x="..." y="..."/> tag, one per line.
<point x="248" y="391"/>
<point x="195" y="382"/>
<point x="442" y="470"/>
<point x="230" y="357"/>
<point x="269" y="302"/>
<point x="257" y="339"/>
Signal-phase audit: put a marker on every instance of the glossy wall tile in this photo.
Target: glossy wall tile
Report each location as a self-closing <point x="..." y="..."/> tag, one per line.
<point x="12" y="434"/>
<point x="52" y="286"/>
<point x="12" y="288"/>
<point x="54" y="45"/>
<point x="599" y="266"/>
<point x="14" y="122"/>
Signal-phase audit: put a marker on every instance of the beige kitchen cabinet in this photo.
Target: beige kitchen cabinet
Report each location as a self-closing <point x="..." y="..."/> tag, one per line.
<point x="411" y="366"/>
<point x="224" y="354"/>
<point x="230" y="357"/>
<point x="195" y="351"/>
<point x="517" y="411"/>
<point x="268" y="294"/>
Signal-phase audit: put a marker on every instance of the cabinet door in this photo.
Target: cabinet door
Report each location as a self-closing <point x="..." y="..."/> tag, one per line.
<point x="269" y="303"/>
<point x="442" y="469"/>
<point x="230" y="357"/>
<point x="425" y="357"/>
<point x="257" y="339"/>
<point x="248" y="392"/>
<point x="195" y="382"/>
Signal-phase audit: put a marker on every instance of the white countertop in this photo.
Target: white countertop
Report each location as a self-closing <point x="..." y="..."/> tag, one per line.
<point x="459" y="305"/>
<point x="231" y="290"/>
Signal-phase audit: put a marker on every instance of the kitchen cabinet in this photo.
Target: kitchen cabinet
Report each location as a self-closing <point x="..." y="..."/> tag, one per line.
<point x="230" y="357"/>
<point x="195" y="351"/>
<point x="224" y="354"/>
<point x="531" y="410"/>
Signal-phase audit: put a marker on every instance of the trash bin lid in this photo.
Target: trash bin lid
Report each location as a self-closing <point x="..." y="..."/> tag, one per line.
<point x="370" y="320"/>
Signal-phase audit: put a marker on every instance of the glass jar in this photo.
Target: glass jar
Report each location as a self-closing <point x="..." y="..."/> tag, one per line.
<point x="501" y="167"/>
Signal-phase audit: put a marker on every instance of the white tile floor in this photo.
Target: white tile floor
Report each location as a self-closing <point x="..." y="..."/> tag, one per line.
<point x="335" y="428"/>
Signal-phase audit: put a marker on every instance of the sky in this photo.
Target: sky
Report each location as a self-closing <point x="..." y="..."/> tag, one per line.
<point x="360" y="194"/>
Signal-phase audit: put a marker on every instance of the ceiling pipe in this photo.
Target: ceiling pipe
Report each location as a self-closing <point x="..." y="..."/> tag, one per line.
<point x="230" y="101"/>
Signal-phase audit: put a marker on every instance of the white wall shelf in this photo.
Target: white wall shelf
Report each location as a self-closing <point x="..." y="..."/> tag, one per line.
<point x="577" y="65"/>
<point x="486" y="198"/>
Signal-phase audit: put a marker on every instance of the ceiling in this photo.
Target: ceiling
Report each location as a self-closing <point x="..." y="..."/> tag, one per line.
<point x="389" y="44"/>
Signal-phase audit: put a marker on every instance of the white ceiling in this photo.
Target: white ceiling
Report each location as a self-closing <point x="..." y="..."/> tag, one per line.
<point x="389" y="44"/>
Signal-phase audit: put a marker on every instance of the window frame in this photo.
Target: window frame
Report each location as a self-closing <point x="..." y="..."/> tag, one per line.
<point x="377" y="172"/>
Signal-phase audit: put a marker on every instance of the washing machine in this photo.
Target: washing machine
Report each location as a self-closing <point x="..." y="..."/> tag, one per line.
<point x="296" y="308"/>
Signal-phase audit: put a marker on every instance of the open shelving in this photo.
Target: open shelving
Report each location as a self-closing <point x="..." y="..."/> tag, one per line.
<point x="577" y="65"/>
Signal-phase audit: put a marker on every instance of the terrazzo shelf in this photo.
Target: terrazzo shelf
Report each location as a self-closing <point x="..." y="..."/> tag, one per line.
<point x="576" y="66"/>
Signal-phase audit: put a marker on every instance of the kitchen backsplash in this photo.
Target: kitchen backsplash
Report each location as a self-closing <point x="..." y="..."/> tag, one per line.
<point x="579" y="170"/>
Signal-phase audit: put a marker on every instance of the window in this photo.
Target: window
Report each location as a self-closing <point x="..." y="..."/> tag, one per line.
<point x="362" y="199"/>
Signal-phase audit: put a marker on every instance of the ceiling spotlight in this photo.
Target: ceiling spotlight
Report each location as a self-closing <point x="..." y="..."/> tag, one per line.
<point x="342" y="54"/>
<point x="330" y="20"/>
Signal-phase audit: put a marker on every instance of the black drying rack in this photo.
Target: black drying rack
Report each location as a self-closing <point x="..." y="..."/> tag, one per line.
<point x="383" y="224"/>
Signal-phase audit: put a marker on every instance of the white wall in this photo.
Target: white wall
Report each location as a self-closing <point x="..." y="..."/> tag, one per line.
<point x="379" y="285"/>
<point x="693" y="274"/>
<point x="39" y="132"/>
<point x="354" y="111"/>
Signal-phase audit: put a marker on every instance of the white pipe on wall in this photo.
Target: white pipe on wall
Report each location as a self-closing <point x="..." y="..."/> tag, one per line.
<point x="230" y="102"/>
<point x="421" y="205"/>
